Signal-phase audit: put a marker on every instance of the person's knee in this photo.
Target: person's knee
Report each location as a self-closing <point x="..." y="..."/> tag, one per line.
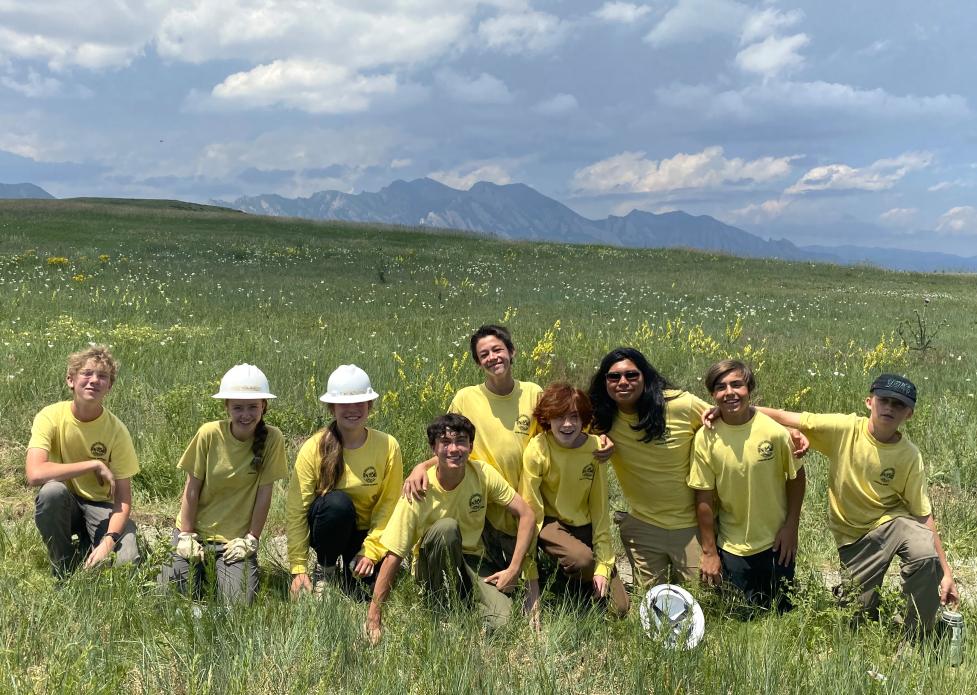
<point x="338" y="502"/>
<point x="443" y="531"/>
<point x="127" y="549"/>
<point x="578" y="559"/>
<point x="53" y="493"/>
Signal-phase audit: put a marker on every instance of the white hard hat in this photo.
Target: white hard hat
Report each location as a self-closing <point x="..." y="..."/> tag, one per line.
<point x="244" y="381"/>
<point x="348" y="384"/>
<point x="670" y="613"/>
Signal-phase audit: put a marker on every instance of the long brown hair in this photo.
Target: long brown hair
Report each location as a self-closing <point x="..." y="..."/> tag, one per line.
<point x="331" y="459"/>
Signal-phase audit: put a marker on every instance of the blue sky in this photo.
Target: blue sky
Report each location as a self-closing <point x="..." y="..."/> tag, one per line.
<point x="820" y="122"/>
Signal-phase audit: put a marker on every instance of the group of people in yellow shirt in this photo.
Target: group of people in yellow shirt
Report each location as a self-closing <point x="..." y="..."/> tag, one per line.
<point x="517" y="487"/>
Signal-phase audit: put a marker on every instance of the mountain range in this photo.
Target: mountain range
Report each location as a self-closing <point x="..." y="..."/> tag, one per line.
<point x="516" y="211"/>
<point x="23" y="191"/>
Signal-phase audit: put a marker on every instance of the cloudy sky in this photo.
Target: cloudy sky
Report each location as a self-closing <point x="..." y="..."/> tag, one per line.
<point x="819" y="121"/>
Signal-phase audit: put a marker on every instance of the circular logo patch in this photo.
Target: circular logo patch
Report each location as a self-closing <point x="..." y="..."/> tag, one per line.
<point x="99" y="450"/>
<point x="475" y="502"/>
<point x="370" y="475"/>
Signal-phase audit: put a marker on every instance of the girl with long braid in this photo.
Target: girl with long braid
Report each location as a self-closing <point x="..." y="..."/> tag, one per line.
<point x="231" y="467"/>
<point x="343" y="488"/>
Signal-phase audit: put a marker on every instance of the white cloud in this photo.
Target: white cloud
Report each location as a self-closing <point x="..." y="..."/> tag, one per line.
<point x="34" y="86"/>
<point x="760" y="212"/>
<point x="878" y="176"/>
<point x="524" y="32"/>
<point x="946" y="185"/>
<point x="768" y="22"/>
<point x="484" y="89"/>
<point x="631" y="172"/>
<point x="958" y="220"/>
<point x="773" y="55"/>
<point x="400" y="163"/>
<point x="311" y="86"/>
<point x="899" y="217"/>
<point x="556" y="105"/>
<point x="623" y="12"/>
<point x="465" y="176"/>
<point x="695" y="20"/>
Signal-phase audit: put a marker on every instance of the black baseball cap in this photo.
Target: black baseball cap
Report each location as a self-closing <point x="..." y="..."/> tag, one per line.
<point x="895" y="386"/>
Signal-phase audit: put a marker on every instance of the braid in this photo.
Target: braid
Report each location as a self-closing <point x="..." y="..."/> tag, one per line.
<point x="331" y="455"/>
<point x="258" y="446"/>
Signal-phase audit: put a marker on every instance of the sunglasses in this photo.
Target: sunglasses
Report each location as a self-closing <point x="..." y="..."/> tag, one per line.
<point x="630" y="375"/>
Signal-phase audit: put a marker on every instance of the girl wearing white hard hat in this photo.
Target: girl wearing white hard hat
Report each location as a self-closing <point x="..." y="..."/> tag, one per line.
<point x="343" y="488"/>
<point x="231" y="466"/>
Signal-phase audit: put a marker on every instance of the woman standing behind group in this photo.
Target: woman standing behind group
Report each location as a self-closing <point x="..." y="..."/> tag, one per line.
<point x="231" y="467"/>
<point x="343" y="488"/>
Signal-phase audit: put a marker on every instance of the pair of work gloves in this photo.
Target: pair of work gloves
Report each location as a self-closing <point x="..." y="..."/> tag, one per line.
<point x="188" y="547"/>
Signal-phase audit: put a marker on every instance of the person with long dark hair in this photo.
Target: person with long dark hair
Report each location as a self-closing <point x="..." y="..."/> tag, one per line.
<point x="652" y="425"/>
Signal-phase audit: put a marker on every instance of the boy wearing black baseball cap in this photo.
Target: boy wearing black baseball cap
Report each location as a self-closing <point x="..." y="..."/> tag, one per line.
<point x="878" y="505"/>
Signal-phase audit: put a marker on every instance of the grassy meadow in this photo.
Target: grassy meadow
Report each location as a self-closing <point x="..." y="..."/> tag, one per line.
<point x="182" y="292"/>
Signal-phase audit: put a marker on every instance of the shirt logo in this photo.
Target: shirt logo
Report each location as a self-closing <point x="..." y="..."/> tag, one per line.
<point x="475" y="503"/>
<point x="886" y="476"/>
<point x="522" y="424"/>
<point x="370" y="475"/>
<point x="765" y="449"/>
<point x="588" y="472"/>
<point x="99" y="450"/>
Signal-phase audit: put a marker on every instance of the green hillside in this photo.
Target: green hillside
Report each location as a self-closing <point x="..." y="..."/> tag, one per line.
<point x="181" y="292"/>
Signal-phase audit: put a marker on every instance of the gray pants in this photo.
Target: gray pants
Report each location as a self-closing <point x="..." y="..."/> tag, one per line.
<point x="59" y="515"/>
<point x="867" y="559"/>
<point x="448" y="575"/>
<point x="236" y="581"/>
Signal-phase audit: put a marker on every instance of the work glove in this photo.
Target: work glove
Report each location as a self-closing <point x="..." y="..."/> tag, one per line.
<point x="188" y="546"/>
<point x="238" y="549"/>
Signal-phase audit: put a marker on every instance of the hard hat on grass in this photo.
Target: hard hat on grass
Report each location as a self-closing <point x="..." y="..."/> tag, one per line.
<point x="670" y="613"/>
<point x="348" y="384"/>
<point x="244" y="381"/>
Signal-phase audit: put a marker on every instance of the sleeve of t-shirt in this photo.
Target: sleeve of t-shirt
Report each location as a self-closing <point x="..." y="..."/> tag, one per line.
<point x="917" y="500"/>
<point x="401" y="532"/>
<point x="393" y="480"/>
<point x="533" y="466"/>
<point x="123" y="463"/>
<point x="824" y="432"/>
<point x="275" y="466"/>
<point x="455" y="405"/>
<point x="498" y="491"/>
<point x="699" y="406"/>
<point x="785" y="451"/>
<point x="194" y="459"/>
<point x="43" y="431"/>
<point x="301" y="493"/>
<point x="701" y="474"/>
<point x="600" y="518"/>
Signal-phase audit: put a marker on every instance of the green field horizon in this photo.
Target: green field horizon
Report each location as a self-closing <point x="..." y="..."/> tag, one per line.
<point x="181" y="292"/>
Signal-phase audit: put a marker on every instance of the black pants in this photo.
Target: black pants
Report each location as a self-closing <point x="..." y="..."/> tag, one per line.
<point x="760" y="578"/>
<point x="333" y="533"/>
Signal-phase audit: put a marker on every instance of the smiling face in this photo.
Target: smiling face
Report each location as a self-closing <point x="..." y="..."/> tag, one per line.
<point x="452" y="449"/>
<point x="886" y="417"/>
<point x="567" y="429"/>
<point x="91" y="383"/>
<point x="244" y="415"/>
<point x="493" y="356"/>
<point x="350" y="417"/>
<point x="732" y="394"/>
<point x="625" y="384"/>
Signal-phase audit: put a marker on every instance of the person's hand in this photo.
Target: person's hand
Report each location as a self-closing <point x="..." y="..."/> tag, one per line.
<point x="100" y="553"/>
<point x="785" y="544"/>
<point x="373" y="627"/>
<point x="709" y="416"/>
<point x="798" y="442"/>
<point x="301" y="584"/>
<point x="362" y="567"/>
<point x="188" y="546"/>
<point x="605" y="450"/>
<point x="104" y="477"/>
<point x="948" y="591"/>
<point x="711" y="569"/>
<point x="238" y="549"/>
<point x="531" y="605"/>
<point x="601" y="586"/>
<point x="504" y="581"/>
<point x="415" y="485"/>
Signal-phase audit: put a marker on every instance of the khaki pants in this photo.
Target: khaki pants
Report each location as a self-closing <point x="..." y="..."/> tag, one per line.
<point x="658" y="555"/>
<point x="236" y="581"/>
<point x="866" y="560"/>
<point x="448" y="576"/>
<point x="573" y="549"/>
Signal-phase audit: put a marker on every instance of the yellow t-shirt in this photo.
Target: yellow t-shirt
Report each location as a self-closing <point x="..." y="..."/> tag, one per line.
<point x="481" y="486"/>
<point x="503" y="428"/>
<point x="230" y="482"/>
<point x="66" y="439"/>
<point x="571" y="486"/>
<point x="747" y="465"/>
<point x="372" y="477"/>
<point x="653" y="475"/>
<point x="869" y="483"/>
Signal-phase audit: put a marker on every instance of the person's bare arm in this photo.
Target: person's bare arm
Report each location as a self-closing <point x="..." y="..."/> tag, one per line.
<point x="786" y="418"/>
<point x="948" y="587"/>
<point x="262" y="503"/>
<point x="381" y="590"/>
<point x="710" y="568"/>
<point x="121" y="508"/>
<point x="415" y="484"/>
<point x="39" y="470"/>
<point x="785" y="542"/>
<point x="188" y="505"/>
<point x="506" y="579"/>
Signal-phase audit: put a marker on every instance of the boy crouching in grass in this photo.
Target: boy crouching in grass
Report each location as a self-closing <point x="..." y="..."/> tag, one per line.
<point x="82" y="458"/>
<point x="744" y="462"/>
<point x="878" y="505"/>
<point x="446" y="527"/>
